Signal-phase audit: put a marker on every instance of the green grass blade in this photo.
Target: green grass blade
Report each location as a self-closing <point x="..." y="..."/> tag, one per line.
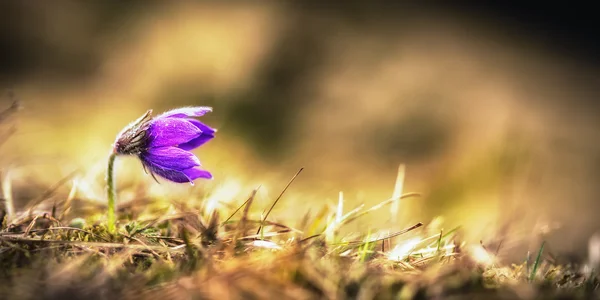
<point x="537" y="262"/>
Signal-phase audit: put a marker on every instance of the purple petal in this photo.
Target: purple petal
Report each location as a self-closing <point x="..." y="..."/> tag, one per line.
<point x="171" y="158"/>
<point x="188" y="175"/>
<point x="207" y="134"/>
<point x="205" y="128"/>
<point x="197" y="142"/>
<point x="172" y="132"/>
<point x="171" y="175"/>
<point x="194" y="173"/>
<point x="196" y="111"/>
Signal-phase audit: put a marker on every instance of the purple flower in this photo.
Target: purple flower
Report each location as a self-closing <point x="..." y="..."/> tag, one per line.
<point x="163" y="143"/>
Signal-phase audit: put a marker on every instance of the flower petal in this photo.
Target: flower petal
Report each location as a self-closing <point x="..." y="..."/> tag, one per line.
<point x="188" y="175"/>
<point x="171" y="175"/>
<point x="207" y="134"/>
<point x="205" y="128"/>
<point x="194" y="173"/>
<point x="171" y="132"/>
<point x="171" y="158"/>
<point x="196" y="111"/>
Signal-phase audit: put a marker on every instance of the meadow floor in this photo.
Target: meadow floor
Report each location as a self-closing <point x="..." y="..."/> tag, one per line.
<point x="188" y="253"/>
<point x="59" y="246"/>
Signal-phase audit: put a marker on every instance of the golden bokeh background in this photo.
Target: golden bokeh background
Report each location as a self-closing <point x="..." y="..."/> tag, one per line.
<point x="494" y="125"/>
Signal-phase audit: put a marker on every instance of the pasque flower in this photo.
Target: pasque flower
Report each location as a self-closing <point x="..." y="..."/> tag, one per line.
<point x="163" y="145"/>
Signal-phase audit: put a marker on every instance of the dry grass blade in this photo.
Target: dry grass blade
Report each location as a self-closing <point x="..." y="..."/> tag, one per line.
<point x="270" y="223"/>
<point x="48" y="193"/>
<point x="67" y="205"/>
<point x="339" y="212"/>
<point x="279" y="197"/>
<point x="28" y="240"/>
<point x="389" y="236"/>
<point x="378" y="206"/>
<point x="247" y="207"/>
<point x="8" y="197"/>
<point x="13" y="108"/>
<point x="398" y="187"/>
<point x="56" y="228"/>
<point x="263" y="235"/>
<point x="241" y="228"/>
<point x="32" y="223"/>
<point x="155" y="222"/>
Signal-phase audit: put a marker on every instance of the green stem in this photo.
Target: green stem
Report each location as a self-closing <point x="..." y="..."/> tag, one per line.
<point x="112" y="195"/>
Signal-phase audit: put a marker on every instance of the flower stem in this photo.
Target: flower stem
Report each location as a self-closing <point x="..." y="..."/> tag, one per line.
<point x="112" y="195"/>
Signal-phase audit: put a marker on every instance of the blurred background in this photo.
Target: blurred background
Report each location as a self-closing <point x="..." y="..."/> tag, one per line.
<point x="491" y="108"/>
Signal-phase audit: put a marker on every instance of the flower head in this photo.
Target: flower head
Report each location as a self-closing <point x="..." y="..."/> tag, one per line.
<point x="163" y="143"/>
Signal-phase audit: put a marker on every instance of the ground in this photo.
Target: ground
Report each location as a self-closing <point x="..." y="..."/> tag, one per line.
<point x="189" y="253"/>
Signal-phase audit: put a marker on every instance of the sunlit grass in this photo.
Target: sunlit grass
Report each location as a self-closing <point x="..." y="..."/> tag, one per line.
<point x="224" y="239"/>
<point x="202" y="246"/>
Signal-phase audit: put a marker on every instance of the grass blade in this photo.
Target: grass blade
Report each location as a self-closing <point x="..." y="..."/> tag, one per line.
<point x="537" y="262"/>
<point x="279" y="197"/>
<point x="397" y="192"/>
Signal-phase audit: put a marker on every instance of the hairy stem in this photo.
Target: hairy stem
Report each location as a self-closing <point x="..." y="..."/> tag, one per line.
<point x="112" y="195"/>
